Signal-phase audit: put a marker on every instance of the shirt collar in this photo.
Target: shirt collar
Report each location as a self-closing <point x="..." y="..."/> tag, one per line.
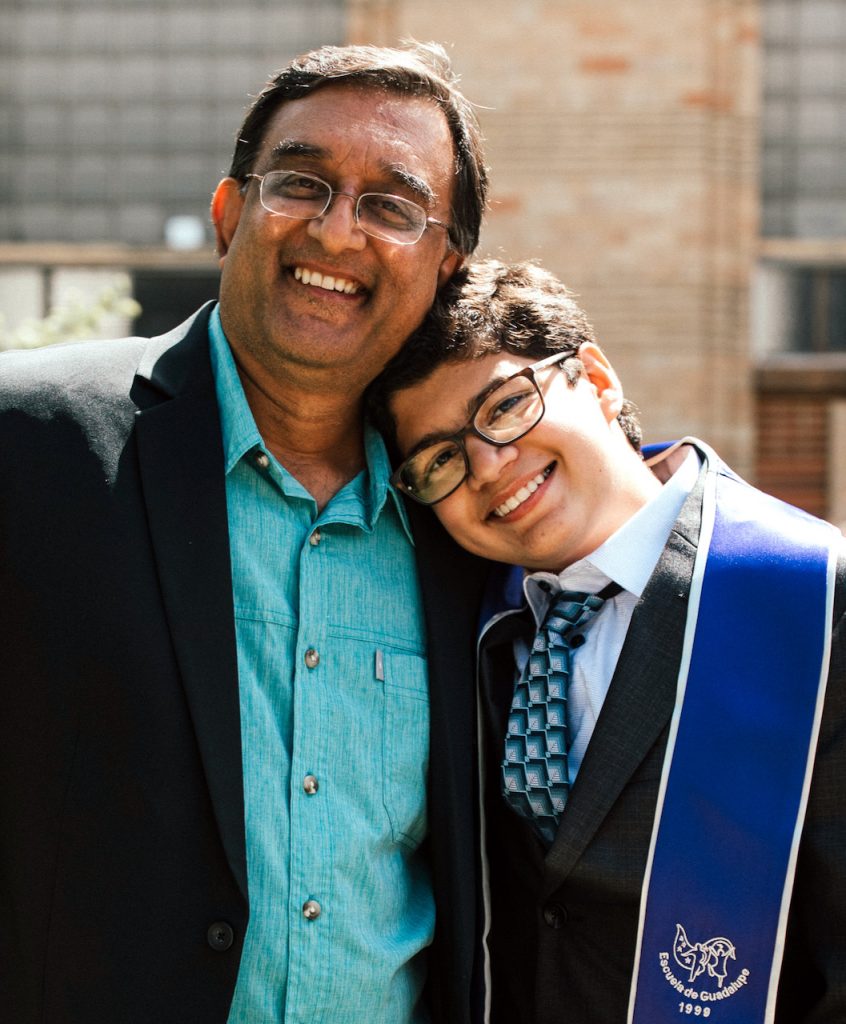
<point x="379" y="473"/>
<point x="629" y="555"/>
<point x="361" y="502"/>
<point x="370" y="490"/>
<point x="238" y="428"/>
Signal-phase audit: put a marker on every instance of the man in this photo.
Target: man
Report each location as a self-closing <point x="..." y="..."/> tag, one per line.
<point x="651" y="681"/>
<point x="217" y="719"/>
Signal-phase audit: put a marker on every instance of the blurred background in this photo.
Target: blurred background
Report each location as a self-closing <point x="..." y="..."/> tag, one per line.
<point x="681" y="164"/>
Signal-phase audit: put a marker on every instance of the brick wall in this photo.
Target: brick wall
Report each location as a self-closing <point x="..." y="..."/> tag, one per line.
<point x="622" y="137"/>
<point x="800" y="431"/>
<point x="792" y="449"/>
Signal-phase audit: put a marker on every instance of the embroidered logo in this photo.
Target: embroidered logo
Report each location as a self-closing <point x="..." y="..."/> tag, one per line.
<point x="701" y="957"/>
<point x="705" y="968"/>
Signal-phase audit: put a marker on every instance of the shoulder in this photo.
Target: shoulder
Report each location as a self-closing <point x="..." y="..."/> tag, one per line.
<point x="64" y="405"/>
<point x="83" y="376"/>
<point x="52" y="380"/>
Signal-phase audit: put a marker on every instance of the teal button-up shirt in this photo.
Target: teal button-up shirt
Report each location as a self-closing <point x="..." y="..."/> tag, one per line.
<point x="335" y="734"/>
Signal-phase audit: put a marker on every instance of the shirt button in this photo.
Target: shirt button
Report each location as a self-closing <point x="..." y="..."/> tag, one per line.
<point x="312" y="658"/>
<point x="310" y="785"/>
<point x="220" y="936"/>
<point x="314" y="539"/>
<point x="311" y="910"/>
<point x="555" y="915"/>
<point x="262" y="461"/>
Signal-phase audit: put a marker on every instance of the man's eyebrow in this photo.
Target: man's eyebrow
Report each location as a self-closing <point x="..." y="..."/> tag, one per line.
<point x="471" y="407"/>
<point x="412" y="182"/>
<point x="291" y="147"/>
<point x="288" y="148"/>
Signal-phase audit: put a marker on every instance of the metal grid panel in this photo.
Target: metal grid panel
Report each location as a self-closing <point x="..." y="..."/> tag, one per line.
<point x="804" y="122"/>
<point x="118" y="114"/>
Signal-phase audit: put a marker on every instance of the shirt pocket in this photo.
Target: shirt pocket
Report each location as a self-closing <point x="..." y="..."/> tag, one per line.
<point x="406" y="746"/>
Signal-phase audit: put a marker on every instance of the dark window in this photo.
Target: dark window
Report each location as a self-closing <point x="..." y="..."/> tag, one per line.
<point x="818" y="301"/>
<point x="167" y="297"/>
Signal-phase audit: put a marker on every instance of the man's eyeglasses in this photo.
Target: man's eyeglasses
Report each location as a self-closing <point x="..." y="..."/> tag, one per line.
<point x="505" y="414"/>
<point x="303" y="196"/>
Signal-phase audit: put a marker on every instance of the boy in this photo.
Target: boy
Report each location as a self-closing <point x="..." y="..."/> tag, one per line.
<point x="661" y="693"/>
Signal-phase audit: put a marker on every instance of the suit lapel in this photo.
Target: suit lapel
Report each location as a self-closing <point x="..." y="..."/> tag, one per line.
<point x="181" y="465"/>
<point x="451" y="584"/>
<point x="640" y="699"/>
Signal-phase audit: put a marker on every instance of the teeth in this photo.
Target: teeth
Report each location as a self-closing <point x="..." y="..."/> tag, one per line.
<point x="331" y="284"/>
<point x="520" y="496"/>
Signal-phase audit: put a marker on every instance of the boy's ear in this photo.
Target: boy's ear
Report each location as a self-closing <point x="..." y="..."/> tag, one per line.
<point x="606" y="384"/>
<point x="226" y="206"/>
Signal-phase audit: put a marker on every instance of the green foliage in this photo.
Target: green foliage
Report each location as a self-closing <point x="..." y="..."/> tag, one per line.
<point x="78" y="317"/>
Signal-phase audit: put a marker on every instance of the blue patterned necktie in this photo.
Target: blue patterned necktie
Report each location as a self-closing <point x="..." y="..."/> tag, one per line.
<point x="535" y="776"/>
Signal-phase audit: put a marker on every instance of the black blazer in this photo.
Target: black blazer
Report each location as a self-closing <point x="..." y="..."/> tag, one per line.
<point x="564" y="924"/>
<point x="123" y="889"/>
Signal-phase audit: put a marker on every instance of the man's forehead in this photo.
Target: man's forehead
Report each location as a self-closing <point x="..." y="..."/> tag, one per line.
<point x="365" y="106"/>
<point x="401" y="138"/>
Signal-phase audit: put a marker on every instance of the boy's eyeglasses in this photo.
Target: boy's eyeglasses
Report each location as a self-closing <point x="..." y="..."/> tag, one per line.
<point x="507" y="413"/>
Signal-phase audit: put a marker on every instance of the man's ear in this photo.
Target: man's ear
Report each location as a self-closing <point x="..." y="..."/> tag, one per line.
<point x="452" y="262"/>
<point x="606" y="383"/>
<point x="226" y="206"/>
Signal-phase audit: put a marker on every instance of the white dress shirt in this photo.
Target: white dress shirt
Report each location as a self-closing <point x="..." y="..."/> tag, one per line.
<point x="628" y="557"/>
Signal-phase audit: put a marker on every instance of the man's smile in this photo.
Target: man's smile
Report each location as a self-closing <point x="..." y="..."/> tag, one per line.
<point x="329" y="282"/>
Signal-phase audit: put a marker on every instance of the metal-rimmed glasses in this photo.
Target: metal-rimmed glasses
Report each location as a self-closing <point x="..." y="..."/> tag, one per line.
<point x="303" y="196"/>
<point x="507" y="412"/>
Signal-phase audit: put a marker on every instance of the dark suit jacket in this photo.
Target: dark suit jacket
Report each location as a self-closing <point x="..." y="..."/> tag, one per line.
<point x="123" y="890"/>
<point x="564" y="925"/>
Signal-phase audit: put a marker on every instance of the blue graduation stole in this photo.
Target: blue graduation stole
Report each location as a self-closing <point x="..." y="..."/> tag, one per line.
<point x="739" y="758"/>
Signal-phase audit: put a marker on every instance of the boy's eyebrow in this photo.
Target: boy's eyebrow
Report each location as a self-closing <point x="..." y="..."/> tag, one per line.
<point x="473" y="403"/>
<point x="471" y="407"/>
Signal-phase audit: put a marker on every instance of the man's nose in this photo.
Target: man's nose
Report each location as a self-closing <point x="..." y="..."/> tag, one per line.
<point x="337" y="229"/>
<point x="487" y="461"/>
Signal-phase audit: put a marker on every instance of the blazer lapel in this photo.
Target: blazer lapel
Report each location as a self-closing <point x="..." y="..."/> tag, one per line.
<point x="181" y="465"/>
<point x="451" y="585"/>
<point x="640" y="699"/>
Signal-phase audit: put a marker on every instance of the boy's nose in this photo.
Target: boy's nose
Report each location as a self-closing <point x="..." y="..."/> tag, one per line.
<point x="487" y="461"/>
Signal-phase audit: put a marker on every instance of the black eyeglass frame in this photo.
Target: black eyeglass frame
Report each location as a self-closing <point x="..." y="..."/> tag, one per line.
<point x="356" y="206"/>
<point x="471" y="428"/>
